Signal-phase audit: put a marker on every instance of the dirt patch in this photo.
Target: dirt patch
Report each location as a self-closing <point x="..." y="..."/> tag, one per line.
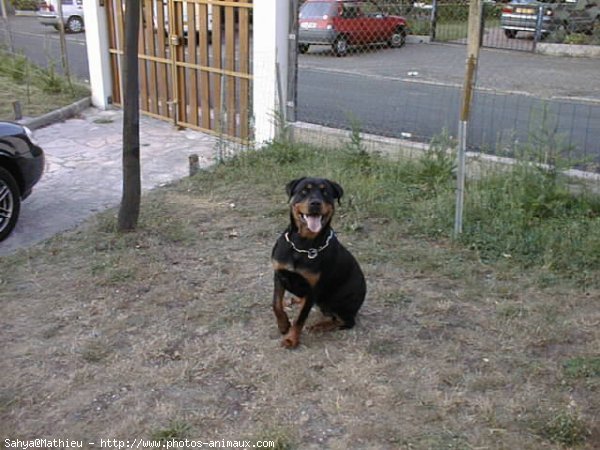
<point x="169" y="332"/>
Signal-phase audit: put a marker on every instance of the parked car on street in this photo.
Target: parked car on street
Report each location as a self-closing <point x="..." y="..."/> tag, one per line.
<point x="344" y="23"/>
<point x="21" y="167"/>
<point x="198" y="17"/>
<point x="72" y="13"/>
<point x="572" y="16"/>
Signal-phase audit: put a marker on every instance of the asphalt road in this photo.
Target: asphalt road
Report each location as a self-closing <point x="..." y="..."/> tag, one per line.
<point x="415" y="91"/>
<point x="419" y="111"/>
<point x="41" y="44"/>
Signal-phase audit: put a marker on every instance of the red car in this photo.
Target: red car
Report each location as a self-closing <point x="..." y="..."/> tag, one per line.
<point x="343" y="23"/>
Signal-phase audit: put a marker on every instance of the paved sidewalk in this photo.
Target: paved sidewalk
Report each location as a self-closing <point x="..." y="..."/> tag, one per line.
<point x="83" y="172"/>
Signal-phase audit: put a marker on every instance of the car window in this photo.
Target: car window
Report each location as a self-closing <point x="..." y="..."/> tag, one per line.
<point x="317" y="10"/>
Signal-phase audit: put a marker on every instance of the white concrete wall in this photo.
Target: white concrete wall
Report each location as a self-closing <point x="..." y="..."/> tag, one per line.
<point x="96" y="36"/>
<point x="269" y="46"/>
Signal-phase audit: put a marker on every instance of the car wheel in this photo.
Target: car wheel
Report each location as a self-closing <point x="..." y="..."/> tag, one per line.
<point x="398" y="39"/>
<point x="510" y="34"/>
<point x="303" y="48"/>
<point x="75" y="24"/>
<point x="10" y="203"/>
<point x="340" y="46"/>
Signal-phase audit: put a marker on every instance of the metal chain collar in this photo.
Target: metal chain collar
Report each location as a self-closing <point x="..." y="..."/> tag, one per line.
<point x="312" y="253"/>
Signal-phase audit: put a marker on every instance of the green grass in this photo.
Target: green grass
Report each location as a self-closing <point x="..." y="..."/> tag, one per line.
<point x="528" y="215"/>
<point x="38" y="90"/>
<point x="582" y="367"/>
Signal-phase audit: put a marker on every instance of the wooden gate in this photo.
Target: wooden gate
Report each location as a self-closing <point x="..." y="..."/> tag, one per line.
<point x="195" y="65"/>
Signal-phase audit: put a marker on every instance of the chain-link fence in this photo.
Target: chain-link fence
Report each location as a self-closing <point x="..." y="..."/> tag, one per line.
<point x="359" y="67"/>
<point x="519" y="25"/>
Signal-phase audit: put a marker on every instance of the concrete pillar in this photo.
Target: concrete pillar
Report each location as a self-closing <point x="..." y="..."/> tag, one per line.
<point x="96" y="36"/>
<point x="270" y="54"/>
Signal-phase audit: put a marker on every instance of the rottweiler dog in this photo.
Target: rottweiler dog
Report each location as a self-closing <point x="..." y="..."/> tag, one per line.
<point x="310" y="262"/>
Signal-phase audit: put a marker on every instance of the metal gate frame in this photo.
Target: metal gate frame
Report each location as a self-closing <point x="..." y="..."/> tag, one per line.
<point x="184" y="77"/>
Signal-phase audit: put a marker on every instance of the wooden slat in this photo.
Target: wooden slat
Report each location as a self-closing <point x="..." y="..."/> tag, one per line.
<point x="114" y="58"/>
<point x="147" y="24"/>
<point x="142" y="68"/>
<point x="192" y="49"/>
<point x="217" y="63"/>
<point x="204" y="61"/>
<point x="244" y="66"/>
<point x="161" y="53"/>
<point x="230" y="65"/>
<point x="179" y="50"/>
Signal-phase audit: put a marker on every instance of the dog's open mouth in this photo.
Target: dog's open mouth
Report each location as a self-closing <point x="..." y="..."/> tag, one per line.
<point x="313" y="221"/>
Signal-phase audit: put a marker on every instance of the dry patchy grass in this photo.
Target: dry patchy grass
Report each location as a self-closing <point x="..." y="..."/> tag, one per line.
<point x="168" y="332"/>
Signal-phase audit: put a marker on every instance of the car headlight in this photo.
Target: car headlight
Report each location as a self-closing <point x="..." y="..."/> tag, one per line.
<point x="30" y="135"/>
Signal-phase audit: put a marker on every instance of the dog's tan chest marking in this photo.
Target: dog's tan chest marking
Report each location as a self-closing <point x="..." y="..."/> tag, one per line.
<point x="311" y="277"/>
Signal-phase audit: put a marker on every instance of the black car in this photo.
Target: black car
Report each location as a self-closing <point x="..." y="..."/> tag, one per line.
<point x="21" y="167"/>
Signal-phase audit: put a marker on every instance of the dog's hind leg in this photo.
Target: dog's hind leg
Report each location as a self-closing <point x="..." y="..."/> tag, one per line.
<point x="328" y="324"/>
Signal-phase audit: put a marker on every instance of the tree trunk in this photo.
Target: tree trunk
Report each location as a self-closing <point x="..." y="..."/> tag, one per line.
<point x="130" y="201"/>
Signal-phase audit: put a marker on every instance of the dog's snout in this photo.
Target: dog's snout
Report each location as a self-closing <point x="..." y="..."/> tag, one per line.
<point x="314" y="206"/>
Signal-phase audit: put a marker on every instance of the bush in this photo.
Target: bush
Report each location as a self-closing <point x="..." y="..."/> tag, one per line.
<point x="25" y="5"/>
<point x="577" y="39"/>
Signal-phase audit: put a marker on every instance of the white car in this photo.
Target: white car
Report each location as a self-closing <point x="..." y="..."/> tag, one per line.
<point x="196" y="7"/>
<point x="72" y="13"/>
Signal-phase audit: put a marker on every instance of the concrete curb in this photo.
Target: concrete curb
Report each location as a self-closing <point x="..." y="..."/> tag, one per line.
<point x="58" y="115"/>
<point x="581" y="51"/>
<point x="396" y="148"/>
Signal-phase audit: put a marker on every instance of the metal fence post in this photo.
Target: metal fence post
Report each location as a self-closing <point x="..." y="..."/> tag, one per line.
<point x="538" y="26"/>
<point x="434" y="7"/>
<point x="292" y="91"/>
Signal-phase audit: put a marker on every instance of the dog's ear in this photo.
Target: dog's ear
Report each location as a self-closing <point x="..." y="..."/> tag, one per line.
<point x="337" y="191"/>
<point x="291" y="186"/>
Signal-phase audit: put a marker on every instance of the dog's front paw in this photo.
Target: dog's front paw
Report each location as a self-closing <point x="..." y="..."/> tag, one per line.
<point x="291" y="340"/>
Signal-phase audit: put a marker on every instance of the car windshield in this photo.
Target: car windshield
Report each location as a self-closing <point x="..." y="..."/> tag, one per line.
<point x="314" y="10"/>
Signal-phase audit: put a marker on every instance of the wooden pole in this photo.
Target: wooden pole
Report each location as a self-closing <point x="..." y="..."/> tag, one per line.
<point x="7" y="25"/>
<point x="64" y="57"/>
<point x="473" y="43"/>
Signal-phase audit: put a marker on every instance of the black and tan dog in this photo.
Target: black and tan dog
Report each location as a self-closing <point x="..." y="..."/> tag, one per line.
<point x="312" y="264"/>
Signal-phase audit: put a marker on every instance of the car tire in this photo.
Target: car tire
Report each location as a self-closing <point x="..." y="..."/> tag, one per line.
<point x="398" y="39"/>
<point x="10" y="203"/>
<point x="510" y="34"/>
<point x="75" y="24"/>
<point x="340" y="46"/>
<point x="303" y="48"/>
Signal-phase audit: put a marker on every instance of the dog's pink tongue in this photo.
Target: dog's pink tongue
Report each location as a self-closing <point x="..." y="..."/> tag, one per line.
<point x="314" y="223"/>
